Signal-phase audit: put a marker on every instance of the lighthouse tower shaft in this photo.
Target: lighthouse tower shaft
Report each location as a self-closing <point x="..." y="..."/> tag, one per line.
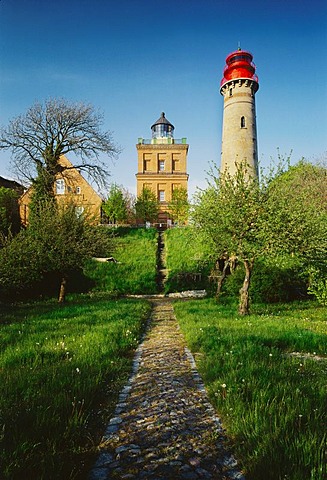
<point x="239" y="136"/>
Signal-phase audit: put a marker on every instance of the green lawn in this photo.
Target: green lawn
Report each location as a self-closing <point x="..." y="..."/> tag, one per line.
<point x="273" y="402"/>
<point x="61" y="369"/>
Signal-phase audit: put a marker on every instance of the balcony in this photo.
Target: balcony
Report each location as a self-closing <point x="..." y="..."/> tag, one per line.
<point x="162" y="141"/>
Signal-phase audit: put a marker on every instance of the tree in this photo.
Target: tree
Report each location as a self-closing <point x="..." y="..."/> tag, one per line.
<point x="179" y="206"/>
<point x="228" y="215"/>
<point x="58" y="242"/>
<point x="147" y="206"/>
<point x="242" y="219"/>
<point x="116" y="207"/>
<point x="297" y="210"/>
<point x="47" y="131"/>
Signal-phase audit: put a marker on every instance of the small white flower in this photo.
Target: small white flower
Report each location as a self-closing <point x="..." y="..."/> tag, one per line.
<point x="78" y="370"/>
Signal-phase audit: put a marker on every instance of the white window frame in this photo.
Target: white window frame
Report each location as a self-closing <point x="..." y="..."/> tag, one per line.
<point x="60" y="186"/>
<point x="162" y="195"/>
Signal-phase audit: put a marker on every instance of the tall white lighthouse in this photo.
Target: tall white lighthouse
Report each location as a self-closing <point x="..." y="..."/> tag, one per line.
<point x="239" y="138"/>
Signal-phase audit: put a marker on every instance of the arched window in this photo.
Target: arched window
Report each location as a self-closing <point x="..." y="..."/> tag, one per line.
<point x="242" y="122"/>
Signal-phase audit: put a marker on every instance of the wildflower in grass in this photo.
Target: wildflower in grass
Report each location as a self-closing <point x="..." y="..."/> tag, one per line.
<point x="78" y="370"/>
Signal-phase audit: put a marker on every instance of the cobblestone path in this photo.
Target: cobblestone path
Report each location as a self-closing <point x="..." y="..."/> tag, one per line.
<point x="164" y="426"/>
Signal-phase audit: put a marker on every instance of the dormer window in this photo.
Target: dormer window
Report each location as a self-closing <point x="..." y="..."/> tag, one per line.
<point x="60" y="186"/>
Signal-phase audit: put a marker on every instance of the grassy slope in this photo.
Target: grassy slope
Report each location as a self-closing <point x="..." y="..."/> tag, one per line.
<point x="273" y="404"/>
<point x="135" y="272"/>
<point x="58" y="366"/>
<point x="184" y="258"/>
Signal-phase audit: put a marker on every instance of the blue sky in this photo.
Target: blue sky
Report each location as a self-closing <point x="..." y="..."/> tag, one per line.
<point x="134" y="59"/>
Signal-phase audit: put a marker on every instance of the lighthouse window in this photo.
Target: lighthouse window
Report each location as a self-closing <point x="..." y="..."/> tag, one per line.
<point x="237" y="58"/>
<point x="242" y="122"/>
<point x="230" y="92"/>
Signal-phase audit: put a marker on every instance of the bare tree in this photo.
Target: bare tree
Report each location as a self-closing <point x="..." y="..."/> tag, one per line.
<point x="38" y="138"/>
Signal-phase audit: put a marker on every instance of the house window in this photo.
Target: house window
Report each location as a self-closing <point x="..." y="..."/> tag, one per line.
<point x="161" y="165"/>
<point x="161" y="195"/>
<point x="60" y="186"/>
<point x="242" y="122"/>
<point x="79" y="211"/>
<point x="78" y="190"/>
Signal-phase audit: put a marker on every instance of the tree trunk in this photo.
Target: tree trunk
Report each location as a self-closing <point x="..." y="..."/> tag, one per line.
<point x="221" y="278"/>
<point x="62" y="291"/>
<point x="244" y="306"/>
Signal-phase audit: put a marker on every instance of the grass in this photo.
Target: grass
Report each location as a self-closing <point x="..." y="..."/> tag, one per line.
<point x="185" y="262"/>
<point x="61" y="369"/>
<point x="273" y="404"/>
<point x="135" y="273"/>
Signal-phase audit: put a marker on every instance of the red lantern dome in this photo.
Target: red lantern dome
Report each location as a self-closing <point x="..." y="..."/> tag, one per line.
<point x="239" y="65"/>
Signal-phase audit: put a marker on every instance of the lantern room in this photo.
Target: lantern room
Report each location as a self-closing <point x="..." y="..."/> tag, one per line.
<point x="239" y="65"/>
<point x="162" y="128"/>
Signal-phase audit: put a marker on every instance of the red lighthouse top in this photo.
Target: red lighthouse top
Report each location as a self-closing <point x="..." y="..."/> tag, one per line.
<point x="239" y="65"/>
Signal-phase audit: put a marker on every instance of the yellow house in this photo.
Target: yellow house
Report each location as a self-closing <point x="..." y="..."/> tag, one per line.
<point x="70" y="186"/>
<point x="162" y="164"/>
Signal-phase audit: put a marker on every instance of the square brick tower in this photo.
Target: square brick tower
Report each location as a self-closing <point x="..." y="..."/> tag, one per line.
<point x="162" y="164"/>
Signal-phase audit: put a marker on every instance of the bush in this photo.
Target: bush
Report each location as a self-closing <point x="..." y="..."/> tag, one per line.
<point x="281" y="279"/>
<point x="318" y="286"/>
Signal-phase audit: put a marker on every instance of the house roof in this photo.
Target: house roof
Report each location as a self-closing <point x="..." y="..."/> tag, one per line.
<point x="6" y="183"/>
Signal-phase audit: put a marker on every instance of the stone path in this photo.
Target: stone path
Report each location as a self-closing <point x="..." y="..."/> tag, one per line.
<point x="164" y="426"/>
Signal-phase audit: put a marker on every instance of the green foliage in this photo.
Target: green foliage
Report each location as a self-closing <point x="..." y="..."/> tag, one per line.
<point x="185" y="259"/>
<point x="9" y="215"/>
<point x="116" y="205"/>
<point x="135" y="251"/>
<point x="146" y="206"/>
<point x="318" y="286"/>
<point x="266" y="378"/>
<point x="57" y="242"/>
<point x="19" y="264"/>
<point x="277" y="279"/>
<point x="285" y="215"/>
<point x="179" y="206"/>
<point x="61" y="368"/>
<point x="297" y="213"/>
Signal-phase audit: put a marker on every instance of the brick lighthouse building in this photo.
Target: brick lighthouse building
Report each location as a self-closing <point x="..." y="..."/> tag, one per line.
<point x="162" y="164"/>
<point x="239" y="137"/>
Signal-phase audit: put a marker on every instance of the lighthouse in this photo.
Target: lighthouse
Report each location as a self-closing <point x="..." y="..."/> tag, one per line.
<point x="162" y="164"/>
<point x="239" y="137"/>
